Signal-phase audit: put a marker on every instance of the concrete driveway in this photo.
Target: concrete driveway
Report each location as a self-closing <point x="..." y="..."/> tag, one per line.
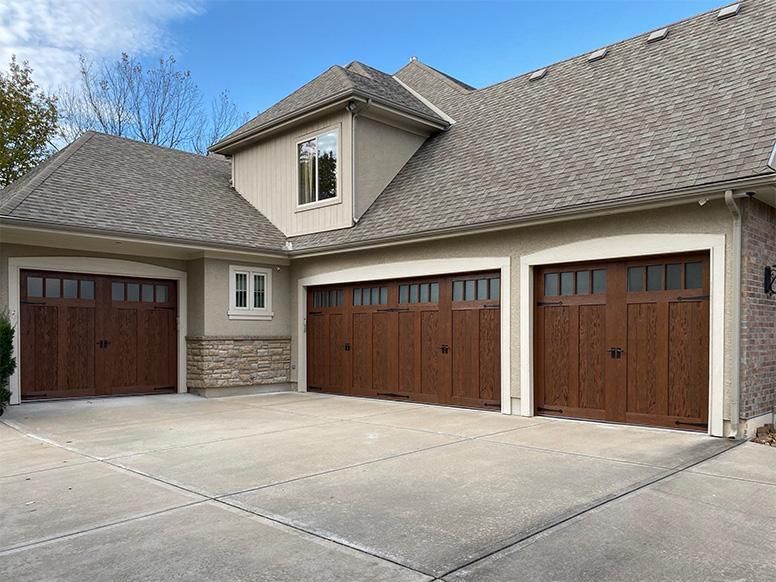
<point x="313" y="487"/>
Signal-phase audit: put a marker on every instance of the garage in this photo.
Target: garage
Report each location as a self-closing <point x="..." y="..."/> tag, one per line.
<point x="431" y="339"/>
<point x="93" y="335"/>
<point x="624" y="341"/>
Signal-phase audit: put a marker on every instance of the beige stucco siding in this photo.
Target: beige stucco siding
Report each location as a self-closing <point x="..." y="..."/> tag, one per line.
<point x="381" y="151"/>
<point x="216" y="302"/>
<point x="266" y="175"/>
<point x="713" y="218"/>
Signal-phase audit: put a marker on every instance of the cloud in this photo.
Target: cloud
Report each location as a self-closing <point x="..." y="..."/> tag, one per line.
<point x="50" y="34"/>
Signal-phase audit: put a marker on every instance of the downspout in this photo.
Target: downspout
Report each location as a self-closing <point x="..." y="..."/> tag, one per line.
<point x="734" y="402"/>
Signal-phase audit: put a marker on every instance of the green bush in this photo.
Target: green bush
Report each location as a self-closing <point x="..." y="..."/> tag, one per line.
<point x="7" y="361"/>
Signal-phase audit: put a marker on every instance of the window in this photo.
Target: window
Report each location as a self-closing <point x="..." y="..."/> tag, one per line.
<point x="370" y="296"/>
<point x="250" y="293"/>
<point x="477" y="289"/>
<point x="317" y="168"/>
<point x="419" y="293"/>
<point x="329" y="297"/>
<point x="575" y="282"/>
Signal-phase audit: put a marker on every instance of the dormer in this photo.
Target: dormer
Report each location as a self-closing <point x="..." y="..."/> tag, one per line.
<point x="318" y="159"/>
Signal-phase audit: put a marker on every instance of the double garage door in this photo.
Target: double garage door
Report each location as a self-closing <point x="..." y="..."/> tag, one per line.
<point x="88" y="335"/>
<point x="434" y="340"/>
<point x="624" y="341"/>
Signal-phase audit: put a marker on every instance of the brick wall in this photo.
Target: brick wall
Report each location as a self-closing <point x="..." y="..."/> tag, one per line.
<point x="758" y="311"/>
<point x="235" y="361"/>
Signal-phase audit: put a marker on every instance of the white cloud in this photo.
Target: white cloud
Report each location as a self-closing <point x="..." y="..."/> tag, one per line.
<point x="50" y="34"/>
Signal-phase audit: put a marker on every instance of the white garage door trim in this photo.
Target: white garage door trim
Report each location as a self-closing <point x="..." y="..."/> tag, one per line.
<point x="404" y="270"/>
<point x="618" y="247"/>
<point x="92" y="266"/>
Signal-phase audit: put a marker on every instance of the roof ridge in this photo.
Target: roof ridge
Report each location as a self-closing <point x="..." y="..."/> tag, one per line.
<point x="444" y="77"/>
<point x="57" y="161"/>
<point x="616" y="43"/>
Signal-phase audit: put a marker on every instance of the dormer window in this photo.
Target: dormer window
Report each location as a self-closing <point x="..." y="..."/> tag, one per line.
<point x="317" y="168"/>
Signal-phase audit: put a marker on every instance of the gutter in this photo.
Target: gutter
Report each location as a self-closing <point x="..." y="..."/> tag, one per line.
<point x="735" y="340"/>
<point x="647" y="201"/>
<point x="144" y="238"/>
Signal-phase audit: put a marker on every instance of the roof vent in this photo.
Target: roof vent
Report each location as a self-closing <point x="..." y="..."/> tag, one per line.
<point x="413" y="59"/>
<point x="536" y="75"/>
<point x="728" y="11"/>
<point x="657" y="35"/>
<point x="597" y="55"/>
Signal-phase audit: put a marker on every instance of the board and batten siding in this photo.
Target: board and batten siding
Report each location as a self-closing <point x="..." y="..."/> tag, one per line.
<point x="265" y="174"/>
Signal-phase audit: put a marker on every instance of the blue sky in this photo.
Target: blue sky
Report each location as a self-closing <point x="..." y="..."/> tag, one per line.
<point x="261" y="51"/>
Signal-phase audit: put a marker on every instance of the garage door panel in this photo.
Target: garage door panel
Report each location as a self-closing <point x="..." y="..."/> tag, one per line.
<point x="465" y="354"/>
<point x="385" y="349"/>
<point x="121" y="354"/>
<point x="434" y="369"/>
<point x="490" y="355"/>
<point x="39" y="349"/>
<point x="409" y="351"/>
<point x="337" y="354"/>
<point x="591" y="362"/>
<point x="646" y="353"/>
<point x="157" y="348"/>
<point x="318" y="349"/>
<point x="557" y="330"/>
<point x="362" y="353"/>
<point x="78" y="349"/>
<point x="688" y="364"/>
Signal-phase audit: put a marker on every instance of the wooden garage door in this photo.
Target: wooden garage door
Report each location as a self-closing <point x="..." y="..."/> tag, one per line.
<point x="87" y="335"/>
<point x="434" y="340"/>
<point x="624" y="341"/>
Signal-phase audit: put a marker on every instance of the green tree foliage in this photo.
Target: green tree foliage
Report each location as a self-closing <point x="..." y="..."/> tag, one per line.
<point x="28" y="122"/>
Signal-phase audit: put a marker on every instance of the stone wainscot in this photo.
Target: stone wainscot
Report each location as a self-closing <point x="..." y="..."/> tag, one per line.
<point x="225" y="365"/>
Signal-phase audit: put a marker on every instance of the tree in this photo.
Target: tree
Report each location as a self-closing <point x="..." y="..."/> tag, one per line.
<point x="160" y="105"/>
<point x="28" y="122"/>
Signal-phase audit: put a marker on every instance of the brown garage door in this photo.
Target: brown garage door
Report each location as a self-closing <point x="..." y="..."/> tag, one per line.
<point x="434" y="340"/>
<point x="87" y="335"/>
<point x="624" y="341"/>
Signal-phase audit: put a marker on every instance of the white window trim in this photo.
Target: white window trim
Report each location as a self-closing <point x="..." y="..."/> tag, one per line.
<point x="250" y="313"/>
<point x="329" y="201"/>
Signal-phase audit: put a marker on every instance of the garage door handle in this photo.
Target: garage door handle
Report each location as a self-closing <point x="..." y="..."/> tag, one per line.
<point x="615" y="352"/>
<point x="444" y="348"/>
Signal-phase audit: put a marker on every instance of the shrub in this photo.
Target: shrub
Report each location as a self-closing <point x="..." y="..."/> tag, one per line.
<point x="7" y="361"/>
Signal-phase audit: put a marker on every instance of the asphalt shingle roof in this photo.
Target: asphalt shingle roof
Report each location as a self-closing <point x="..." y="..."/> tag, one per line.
<point x="356" y="78"/>
<point x="696" y="108"/>
<point x="113" y="184"/>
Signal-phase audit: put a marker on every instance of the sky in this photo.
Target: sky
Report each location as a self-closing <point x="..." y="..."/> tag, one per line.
<point x="261" y="51"/>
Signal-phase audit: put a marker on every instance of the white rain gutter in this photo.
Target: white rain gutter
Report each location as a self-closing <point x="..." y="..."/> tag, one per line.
<point x="735" y="340"/>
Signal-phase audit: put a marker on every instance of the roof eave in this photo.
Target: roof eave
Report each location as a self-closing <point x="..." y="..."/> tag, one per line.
<point x="653" y="200"/>
<point x="25" y="223"/>
<point x="228" y="146"/>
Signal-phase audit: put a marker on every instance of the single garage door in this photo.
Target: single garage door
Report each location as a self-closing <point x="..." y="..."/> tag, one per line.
<point x="434" y="340"/>
<point x="624" y="341"/>
<point x="88" y="335"/>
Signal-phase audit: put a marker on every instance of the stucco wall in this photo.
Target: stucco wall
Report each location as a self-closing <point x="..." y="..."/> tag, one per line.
<point x="713" y="218"/>
<point x="381" y="151"/>
<point x="216" y="302"/>
<point x="758" y="310"/>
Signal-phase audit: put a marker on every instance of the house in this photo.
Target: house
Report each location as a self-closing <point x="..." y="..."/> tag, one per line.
<point x="587" y="240"/>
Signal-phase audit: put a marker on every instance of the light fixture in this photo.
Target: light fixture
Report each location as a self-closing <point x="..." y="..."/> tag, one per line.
<point x="770" y="280"/>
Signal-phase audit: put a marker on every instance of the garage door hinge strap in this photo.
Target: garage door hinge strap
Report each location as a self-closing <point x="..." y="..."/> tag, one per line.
<point x="694" y="298"/>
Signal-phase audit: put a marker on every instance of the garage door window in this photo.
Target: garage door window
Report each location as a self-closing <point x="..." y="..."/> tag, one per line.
<point x="419" y="293"/>
<point x="485" y="289"/>
<point x="249" y="291"/>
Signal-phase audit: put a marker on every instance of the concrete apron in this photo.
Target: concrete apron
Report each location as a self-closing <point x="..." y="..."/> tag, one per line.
<point x="384" y="490"/>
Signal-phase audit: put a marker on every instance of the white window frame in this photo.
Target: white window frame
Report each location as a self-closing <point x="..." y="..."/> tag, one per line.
<point x="335" y="129"/>
<point x="249" y="312"/>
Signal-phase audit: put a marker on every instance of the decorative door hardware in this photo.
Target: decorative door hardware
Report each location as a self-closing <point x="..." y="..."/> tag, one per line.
<point x="444" y="348"/>
<point x="615" y="352"/>
<point x="347" y="346"/>
<point x="103" y="343"/>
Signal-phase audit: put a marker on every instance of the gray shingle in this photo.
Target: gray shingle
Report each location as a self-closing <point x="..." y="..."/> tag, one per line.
<point x="696" y="108"/>
<point x="118" y="185"/>
<point x="356" y="78"/>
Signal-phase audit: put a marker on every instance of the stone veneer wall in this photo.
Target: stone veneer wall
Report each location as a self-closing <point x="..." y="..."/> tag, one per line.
<point x="236" y="361"/>
<point x="758" y="310"/>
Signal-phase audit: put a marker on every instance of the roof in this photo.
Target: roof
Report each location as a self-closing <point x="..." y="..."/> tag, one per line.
<point x="693" y="109"/>
<point x="336" y="83"/>
<point x="113" y="184"/>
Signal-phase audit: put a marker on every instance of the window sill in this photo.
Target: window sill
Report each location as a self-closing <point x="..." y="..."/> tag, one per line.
<point x="248" y="316"/>
<point x="318" y="204"/>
